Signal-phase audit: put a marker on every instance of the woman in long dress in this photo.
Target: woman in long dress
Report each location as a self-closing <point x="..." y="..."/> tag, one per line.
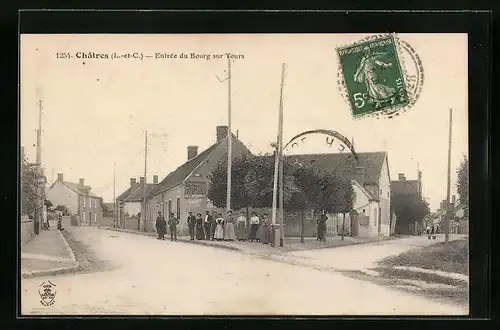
<point x="265" y="230"/>
<point x="241" y="227"/>
<point x="200" y="234"/>
<point x="219" y="228"/>
<point x="254" y="226"/>
<point x="229" y="234"/>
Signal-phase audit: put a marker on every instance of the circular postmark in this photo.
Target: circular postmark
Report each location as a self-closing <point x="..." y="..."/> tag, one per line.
<point x="327" y="138"/>
<point x="379" y="76"/>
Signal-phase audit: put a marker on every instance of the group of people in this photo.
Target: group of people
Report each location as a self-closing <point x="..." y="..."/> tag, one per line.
<point x="217" y="227"/>
<point x="161" y="226"/>
<point x="431" y="231"/>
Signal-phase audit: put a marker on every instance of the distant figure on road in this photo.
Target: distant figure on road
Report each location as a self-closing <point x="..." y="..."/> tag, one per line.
<point x="433" y="232"/>
<point x="254" y="227"/>
<point x="219" y="228"/>
<point x="229" y="233"/>
<point x="191" y="220"/>
<point x="207" y="225"/>
<point x="172" y="224"/>
<point x="241" y="227"/>
<point x="428" y="230"/>
<point x="265" y="230"/>
<point x="200" y="234"/>
<point x="161" y="226"/>
<point x="59" y="222"/>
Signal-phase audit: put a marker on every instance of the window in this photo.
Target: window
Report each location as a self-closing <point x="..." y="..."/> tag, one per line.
<point x="83" y="216"/>
<point x="95" y="217"/>
<point x="169" y="207"/>
<point x="84" y="201"/>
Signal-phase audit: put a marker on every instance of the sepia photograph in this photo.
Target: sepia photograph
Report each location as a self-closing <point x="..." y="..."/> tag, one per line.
<point x="244" y="174"/>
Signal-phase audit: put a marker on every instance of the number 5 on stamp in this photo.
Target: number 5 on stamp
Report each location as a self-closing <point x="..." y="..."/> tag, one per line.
<point x="373" y="76"/>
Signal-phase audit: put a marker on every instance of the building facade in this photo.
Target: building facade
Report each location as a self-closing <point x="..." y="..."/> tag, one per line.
<point x="370" y="178"/>
<point x="78" y="199"/>
<point x="185" y="189"/>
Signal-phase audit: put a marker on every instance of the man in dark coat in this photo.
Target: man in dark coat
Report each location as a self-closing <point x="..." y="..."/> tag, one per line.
<point x="161" y="226"/>
<point x="207" y="225"/>
<point x="191" y="220"/>
<point x="172" y="224"/>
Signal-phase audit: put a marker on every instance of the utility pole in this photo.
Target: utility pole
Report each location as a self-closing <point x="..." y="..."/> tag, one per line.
<point x="282" y="229"/>
<point x="448" y="209"/>
<point x="145" y="178"/>
<point x="115" y="220"/>
<point x="39" y="169"/>
<point x="278" y="165"/>
<point x="229" y="139"/>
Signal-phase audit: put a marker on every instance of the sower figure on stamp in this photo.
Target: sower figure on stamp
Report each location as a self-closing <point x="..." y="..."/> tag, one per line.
<point x="191" y="220"/>
<point x="172" y="224"/>
<point x="207" y="225"/>
<point x="161" y="226"/>
<point x="366" y="73"/>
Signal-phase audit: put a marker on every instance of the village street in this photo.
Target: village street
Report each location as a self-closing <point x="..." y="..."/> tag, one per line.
<point x="142" y="275"/>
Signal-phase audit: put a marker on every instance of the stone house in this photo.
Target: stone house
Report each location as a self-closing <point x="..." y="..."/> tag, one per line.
<point x="371" y="184"/>
<point x="78" y="199"/>
<point x="184" y="189"/>
<point x="406" y="187"/>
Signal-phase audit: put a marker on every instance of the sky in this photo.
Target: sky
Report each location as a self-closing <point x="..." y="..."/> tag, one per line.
<point x="96" y="111"/>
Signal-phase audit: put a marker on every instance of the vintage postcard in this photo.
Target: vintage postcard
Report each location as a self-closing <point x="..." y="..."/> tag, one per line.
<point x="264" y="174"/>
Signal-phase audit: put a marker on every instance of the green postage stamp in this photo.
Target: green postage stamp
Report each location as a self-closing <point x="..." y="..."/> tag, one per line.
<point x="373" y="77"/>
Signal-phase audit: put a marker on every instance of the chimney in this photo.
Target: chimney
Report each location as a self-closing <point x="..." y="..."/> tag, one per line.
<point x="192" y="152"/>
<point x="142" y="180"/>
<point x="155" y="179"/>
<point x="60" y="177"/>
<point x="132" y="183"/>
<point x="222" y="132"/>
<point x="401" y="177"/>
<point x="82" y="183"/>
<point x="360" y="174"/>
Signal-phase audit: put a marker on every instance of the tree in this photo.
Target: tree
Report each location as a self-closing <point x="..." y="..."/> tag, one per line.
<point x="32" y="183"/>
<point x="409" y="208"/>
<point x="345" y="200"/>
<point x="217" y="190"/>
<point x="463" y="184"/>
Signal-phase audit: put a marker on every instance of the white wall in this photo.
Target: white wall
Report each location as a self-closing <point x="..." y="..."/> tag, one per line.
<point x="385" y="198"/>
<point x="132" y="208"/>
<point x="59" y="194"/>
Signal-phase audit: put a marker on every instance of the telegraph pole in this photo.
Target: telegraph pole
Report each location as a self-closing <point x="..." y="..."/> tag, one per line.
<point x="282" y="229"/>
<point x="39" y="170"/>
<point x="448" y="208"/>
<point x="278" y="166"/>
<point x="145" y="178"/>
<point x="229" y="139"/>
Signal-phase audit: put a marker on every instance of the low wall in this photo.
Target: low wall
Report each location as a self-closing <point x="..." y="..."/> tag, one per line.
<point x="27" y="229"/>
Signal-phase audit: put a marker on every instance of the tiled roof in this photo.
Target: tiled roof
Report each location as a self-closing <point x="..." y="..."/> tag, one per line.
<point x="407" y="187"/>
<point x="76" y="188"/>
<point x="181" y="173"/>
<point x="138" y="194"/>
<point x="344" y="164"/>
<point x="123" y="195"/>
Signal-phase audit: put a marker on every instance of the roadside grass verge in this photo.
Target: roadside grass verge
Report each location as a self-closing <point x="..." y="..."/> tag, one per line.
<point x="447" y="257"/>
